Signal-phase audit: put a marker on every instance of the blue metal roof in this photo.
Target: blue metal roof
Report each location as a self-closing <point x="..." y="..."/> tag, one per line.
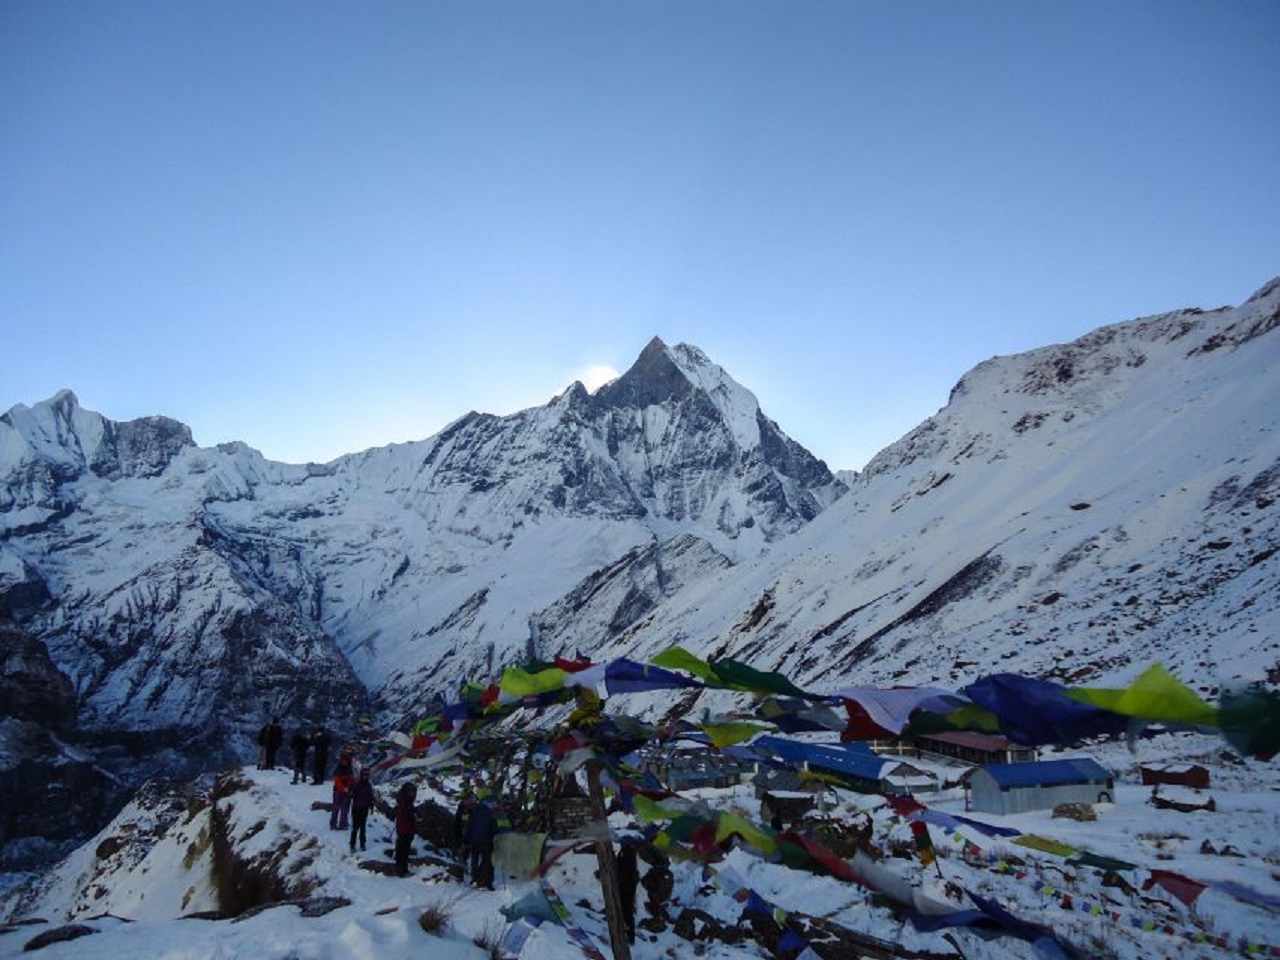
<point x="855" y="760"/>
<point x="1048" y="773"/>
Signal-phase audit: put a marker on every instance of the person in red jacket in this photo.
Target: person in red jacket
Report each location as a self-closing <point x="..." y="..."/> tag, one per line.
<point x="405" y="800"/>
<point x="361" y="804"/>
<point x="343" y="780"/>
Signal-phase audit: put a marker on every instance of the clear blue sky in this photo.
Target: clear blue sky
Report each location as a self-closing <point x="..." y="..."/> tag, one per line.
<point x="318" y="227"/>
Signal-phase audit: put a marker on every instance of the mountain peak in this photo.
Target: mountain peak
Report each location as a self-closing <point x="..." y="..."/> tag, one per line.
<point x="656" y="345"/>
<point x="652" y="379"/>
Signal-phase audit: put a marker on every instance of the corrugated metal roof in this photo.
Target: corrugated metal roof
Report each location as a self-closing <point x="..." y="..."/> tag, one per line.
<point x="1047" y="773"/>
<point x="854" y="760"/>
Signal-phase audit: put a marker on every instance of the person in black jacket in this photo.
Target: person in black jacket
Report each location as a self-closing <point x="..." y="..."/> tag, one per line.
<point x="461" y="817"/>
<point x="361" y="804"/>
<point x="482" y="826"/>
<point x="274" y="737"/>
<point x="298" y="743"/>
<point x="320" y="744"/>
<point x="628" y="880"/>
<point x="406" y="823"/>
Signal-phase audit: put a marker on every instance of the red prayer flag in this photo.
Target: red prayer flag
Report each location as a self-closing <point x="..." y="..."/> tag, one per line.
<point x="1184" y="888"/>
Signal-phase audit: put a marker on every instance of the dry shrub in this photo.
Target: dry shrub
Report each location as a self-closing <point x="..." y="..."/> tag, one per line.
<point x="489" y="939"/>
<point x="435" y="917"/>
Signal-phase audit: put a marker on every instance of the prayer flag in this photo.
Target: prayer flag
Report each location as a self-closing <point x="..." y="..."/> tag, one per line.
<point x="924" y="844"/>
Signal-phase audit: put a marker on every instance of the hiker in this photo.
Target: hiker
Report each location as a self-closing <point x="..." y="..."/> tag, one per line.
<point x="628" y="880"/>
<point x="361" y="804"/>
<point x="343" y="781"/>
<point x="405" y="799"/>
<point x="482" y="825"/>
<point x="299" y="743"/>
<point x="461" y="817"/>
<point x="658" y="884"/>
<point x="274" y="737"/>
<point x="320" y="744"/>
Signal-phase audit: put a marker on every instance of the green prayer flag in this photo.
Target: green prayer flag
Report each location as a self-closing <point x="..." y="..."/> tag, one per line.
<point x="1251" y="721"/>
<point x="650" y="811"/>
<point x="741" y="676"/>
<point x="1157" y="695"/>
<point x="730" y="824"/>
<point x="678" y="658"/>
<point x="727" y="734"/>
<point x="519" y="682"/>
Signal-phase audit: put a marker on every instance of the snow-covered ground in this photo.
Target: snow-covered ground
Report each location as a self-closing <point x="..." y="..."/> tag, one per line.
<point x="134" y="901"/>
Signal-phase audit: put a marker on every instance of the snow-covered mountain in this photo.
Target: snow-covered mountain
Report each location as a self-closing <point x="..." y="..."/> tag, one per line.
<point x="188" y="594"/>
<point x="1076" y="512"/>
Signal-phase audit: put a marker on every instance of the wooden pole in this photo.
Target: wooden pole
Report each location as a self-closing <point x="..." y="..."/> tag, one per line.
<point x="608" y="870"/>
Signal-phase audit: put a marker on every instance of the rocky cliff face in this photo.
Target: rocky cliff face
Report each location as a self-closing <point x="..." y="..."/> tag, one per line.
<point x="51" y="791"/>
